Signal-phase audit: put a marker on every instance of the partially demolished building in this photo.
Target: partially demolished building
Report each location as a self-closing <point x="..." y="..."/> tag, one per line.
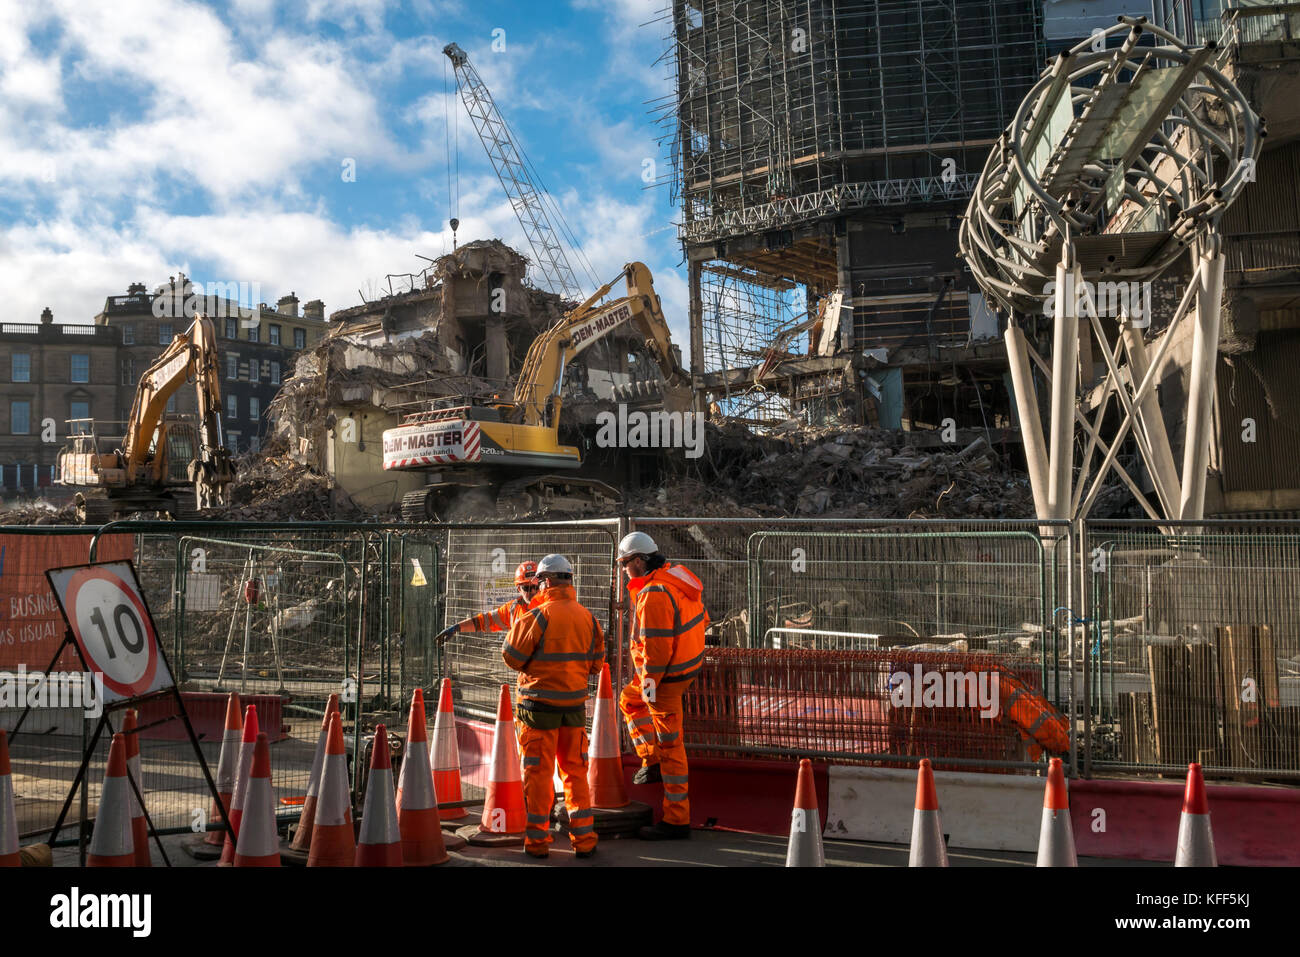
<point x="822" y="153"/>
<point x="458" y="329"/>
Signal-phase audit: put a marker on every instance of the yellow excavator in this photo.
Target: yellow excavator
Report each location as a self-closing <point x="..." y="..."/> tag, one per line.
<point x="511" y="449"/>
<point x="165" y="463"/>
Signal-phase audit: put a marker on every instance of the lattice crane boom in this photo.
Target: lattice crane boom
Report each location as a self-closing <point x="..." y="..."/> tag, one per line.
<point x="526" y="199"/>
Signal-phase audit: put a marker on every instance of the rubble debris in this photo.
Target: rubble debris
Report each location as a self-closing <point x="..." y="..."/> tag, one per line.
<point x="270" y="486"/>
<point x="38" y="512"/>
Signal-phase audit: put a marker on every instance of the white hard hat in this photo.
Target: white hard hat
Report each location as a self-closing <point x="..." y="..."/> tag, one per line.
<point x="554" y="565"/>
<point x="637" y="543"/>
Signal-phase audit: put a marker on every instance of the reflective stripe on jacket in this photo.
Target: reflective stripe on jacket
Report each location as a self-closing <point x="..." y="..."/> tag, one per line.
<point x="555" y="644"/>
<point x="499" y="618"/>
<point x="668" y="624"/>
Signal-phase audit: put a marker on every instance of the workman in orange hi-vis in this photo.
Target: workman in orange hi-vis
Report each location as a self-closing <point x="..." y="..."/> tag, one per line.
<point x="503" y="616"/>
<point x="668" y="623"/>
<point x="556" y="645"/>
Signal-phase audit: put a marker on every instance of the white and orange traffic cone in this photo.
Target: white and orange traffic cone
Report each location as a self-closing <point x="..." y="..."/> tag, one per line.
<point x="1056" y="836"/>
<point x="302" y="836"/>
<point x="503" y="808"/>
<point x="1195" y="838"/>
<point x="227" y="764"/>
<point x="380" y="842"/>
<point x="605" y="770"/>
<point x="139" y="826"/>
<point x="112" y="843"/>
<point x="333" y="841"/>
<point x="9" y="855"/>
<point x="417" y="802"/>
<point x="928" y="849"/>
<point x="805" y="847"/>
<point x="259" y="843"/>
<point x="446" y="756"/>
<point x="247" y="747"/>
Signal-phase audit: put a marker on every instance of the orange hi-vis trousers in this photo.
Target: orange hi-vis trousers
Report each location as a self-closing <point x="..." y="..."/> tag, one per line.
<point x="539" y="750"/>
<point x="656" y="731"/>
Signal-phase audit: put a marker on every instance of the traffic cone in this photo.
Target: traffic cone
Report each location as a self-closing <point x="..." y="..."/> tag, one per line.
<point x="417" y="802"/>
<point x="502" y="824"/>
<point x="9" y="852"/>
<point x="139" y="826"/>
<point x="258" y="844"/>
<point x="380" y="843"/>
<point x="247" y="746"/>
<point x="605" y="770"/>
<point x="446" y="756"/>
<point x="226" y="767"/>
<point x="333" y="841"/>
<point x="1056" y="836"/>
<point x="302" y="836"/>
<point x="928" y="849"/>
<point x="111" y="845"/>
<point x="805" y="848"/>
<point x="1195" y="839"/>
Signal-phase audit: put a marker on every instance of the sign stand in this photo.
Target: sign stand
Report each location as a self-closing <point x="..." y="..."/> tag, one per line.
<point x="112" y="631"/>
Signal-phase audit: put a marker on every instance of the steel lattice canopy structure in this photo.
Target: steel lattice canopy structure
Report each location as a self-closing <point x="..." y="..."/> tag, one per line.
<point x="1130" y="153"/>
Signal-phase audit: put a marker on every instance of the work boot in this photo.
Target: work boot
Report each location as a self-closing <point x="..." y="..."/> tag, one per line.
<point x="591" y="852"/>
<point x="648" y="774"/>
<point x="664" y="831"/>
<point x="539" y="852"/>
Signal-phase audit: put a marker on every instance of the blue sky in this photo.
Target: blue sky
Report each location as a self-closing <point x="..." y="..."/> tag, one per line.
<point x="142" y="138"/>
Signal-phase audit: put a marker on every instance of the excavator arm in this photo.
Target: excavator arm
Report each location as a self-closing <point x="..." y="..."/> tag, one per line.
<point x="193" y="354"/>
<point x="537" y="390"/>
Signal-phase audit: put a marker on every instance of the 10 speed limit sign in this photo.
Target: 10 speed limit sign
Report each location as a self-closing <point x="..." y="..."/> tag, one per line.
<point x="112" y="626"/>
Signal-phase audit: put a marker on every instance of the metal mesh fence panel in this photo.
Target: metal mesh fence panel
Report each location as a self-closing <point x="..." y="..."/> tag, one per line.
<point x="479" y="569"/>
<point x="1194" y="647"/>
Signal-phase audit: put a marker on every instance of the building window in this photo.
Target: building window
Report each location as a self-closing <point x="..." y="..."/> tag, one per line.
<point x="232" y="328"/>
<point x="79" y="411"/>
<point x="254" y="370"/>
<point x="20" y="418"/>
<point x="232" y="441"/>
<point x="128" y="334"/>
<point x="232" y="366"/>
<point x="254" y="407"/>
<point x="79" y="367"/>
<point x="164" y="333"/>
<point x="255" y="333"/>
<point x="254" y="443"/>
<point x="275" y="372"/>
<point x="299" y="339"/>
<point x="128" y="372"/>
<point x="22" y="367"/>
<point x="232" y="407"/>
<point x="275" y="334"/>
<point x="171" y="404"/>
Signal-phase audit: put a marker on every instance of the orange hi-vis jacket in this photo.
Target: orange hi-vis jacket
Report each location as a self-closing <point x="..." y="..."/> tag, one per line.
<point x="501" y="617"/>
<point x="668" y="624"/>
<point x="555" y="644"/>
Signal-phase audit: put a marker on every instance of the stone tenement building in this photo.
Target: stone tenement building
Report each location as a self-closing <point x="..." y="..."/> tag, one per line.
<point x="51" y="372"/>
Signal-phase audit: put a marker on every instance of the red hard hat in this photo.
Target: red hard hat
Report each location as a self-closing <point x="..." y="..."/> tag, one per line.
<point x="526" y="573"/>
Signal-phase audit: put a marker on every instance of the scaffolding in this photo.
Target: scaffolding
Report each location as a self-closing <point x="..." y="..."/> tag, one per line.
<point x="744" y="314"/>
<point x="792" y="110"/>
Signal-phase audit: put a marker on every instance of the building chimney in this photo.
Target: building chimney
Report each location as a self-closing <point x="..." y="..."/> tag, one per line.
<point x="287" y="305"/>
<point x="314" y="310"/>
<point x="47" y="316"/>
<point x="135" y="289"/>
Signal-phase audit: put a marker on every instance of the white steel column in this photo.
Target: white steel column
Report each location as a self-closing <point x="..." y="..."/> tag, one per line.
<point x="1164" y="471"/>
<point x="1200" y="399"/>
<point x="1065" y="375"/>
<point x="1031" y="427"/>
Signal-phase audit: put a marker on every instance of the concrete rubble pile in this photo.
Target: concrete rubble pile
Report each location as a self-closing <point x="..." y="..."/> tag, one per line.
<point x="849" y="473"/>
